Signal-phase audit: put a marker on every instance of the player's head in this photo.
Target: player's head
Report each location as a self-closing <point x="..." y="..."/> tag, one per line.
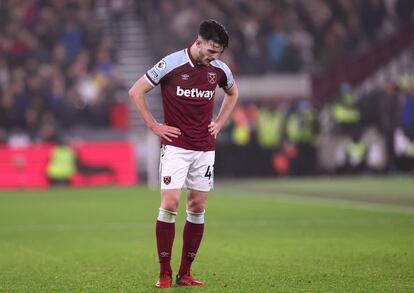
<point x="211" y="30"/>
<point x="211" y="42"/>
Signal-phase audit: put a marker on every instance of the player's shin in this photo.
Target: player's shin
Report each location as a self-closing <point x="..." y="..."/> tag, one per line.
<point x="192" y="235"/>
<point x="165" y="232"/>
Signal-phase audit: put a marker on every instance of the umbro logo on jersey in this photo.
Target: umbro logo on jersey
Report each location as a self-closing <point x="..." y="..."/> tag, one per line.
<point x="164" y="254"/>
<point x="184" y="76"/>
<point x="194" y="93"/>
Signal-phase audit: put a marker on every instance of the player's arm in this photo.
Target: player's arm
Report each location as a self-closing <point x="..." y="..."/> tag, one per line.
<point x="137" y="94"/>
<point x="229" y="101"/>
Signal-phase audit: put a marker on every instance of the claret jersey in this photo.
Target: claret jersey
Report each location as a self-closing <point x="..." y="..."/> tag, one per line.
<point x="188" y="91"/>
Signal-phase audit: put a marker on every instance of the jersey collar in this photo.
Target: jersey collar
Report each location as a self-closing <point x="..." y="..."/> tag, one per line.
<point x="190" y="58"/>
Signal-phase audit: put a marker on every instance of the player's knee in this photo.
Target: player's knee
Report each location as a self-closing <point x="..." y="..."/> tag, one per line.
<point x="170" y="204"/>
<point x="195" y="217"/>
<point x="166" y="216"/>
<point x="196" y="205"/>
<point x="170" y="199"/>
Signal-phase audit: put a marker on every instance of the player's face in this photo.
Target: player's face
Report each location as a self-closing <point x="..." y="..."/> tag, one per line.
<point x="208" y="51"/>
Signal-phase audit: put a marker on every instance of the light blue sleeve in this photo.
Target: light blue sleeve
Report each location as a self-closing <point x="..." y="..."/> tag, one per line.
<point x="164" y="66"/>
<point x="228" y="83"/>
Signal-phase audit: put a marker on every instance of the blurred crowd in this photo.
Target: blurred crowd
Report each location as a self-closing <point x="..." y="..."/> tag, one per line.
<point x="278" y="35"/>
<point x="372" y="133"/>
<point x="56" y="69"/>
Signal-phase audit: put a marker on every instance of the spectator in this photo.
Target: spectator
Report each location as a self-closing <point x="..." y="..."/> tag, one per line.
<point x="373" y="14"/>
<point x="277" y="44"/>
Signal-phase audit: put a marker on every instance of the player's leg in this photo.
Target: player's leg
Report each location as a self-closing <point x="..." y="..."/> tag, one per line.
<point x="192" y="235"/>
<point x="173" y="171"/>
<point x="165" y="233"/>
<point x="165" y="227"/>
<point x="199" y="182"/>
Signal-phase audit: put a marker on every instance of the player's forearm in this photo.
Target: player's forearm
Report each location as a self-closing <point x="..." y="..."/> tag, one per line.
<point x="141" y="107"/>
<point x="227" y="107"/>
<point x="137" y="95"/>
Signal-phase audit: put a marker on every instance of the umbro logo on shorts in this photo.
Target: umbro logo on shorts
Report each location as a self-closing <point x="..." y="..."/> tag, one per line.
<point x="167" y="180"/>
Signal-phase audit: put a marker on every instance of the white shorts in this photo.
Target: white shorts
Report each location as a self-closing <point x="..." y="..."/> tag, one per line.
<point x="186" y="168"/>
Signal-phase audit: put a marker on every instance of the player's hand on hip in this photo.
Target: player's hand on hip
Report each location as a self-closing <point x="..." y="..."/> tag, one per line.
<point x="214" y="128"/>
<point x="166" y="132"/>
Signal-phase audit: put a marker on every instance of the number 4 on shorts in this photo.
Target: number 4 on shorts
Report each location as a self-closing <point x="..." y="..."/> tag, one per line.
<point x="209" y="172"/>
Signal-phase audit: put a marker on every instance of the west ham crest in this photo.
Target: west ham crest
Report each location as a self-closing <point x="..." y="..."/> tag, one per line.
<point x="167" y="180"/>
<point x="211" y="77"/>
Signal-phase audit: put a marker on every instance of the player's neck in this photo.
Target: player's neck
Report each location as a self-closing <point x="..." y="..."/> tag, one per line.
<point x="193" y="53"/>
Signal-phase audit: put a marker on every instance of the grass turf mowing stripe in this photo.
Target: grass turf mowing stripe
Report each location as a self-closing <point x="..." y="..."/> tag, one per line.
<point x="316" y="200"/>
<point x="102" y="240"/>
<point x="391" y="192"/>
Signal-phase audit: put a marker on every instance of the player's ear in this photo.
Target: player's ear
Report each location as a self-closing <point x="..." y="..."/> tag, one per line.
<point x="198" y="41"/>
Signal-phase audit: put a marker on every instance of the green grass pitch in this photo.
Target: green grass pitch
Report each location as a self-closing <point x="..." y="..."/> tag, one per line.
<point x="298" y="235"/>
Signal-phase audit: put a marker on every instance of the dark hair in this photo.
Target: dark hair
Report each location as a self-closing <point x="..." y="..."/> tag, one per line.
<point x="212" y="30"/>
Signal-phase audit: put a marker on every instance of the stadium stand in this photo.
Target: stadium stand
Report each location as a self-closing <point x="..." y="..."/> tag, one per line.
<point x="57" y="69"/>
<point x="281" y="36"/>
<point x="61" y="61"/>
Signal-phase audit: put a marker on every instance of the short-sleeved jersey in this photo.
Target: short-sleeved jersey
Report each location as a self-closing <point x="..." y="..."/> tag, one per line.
<point x="188" y="91"/>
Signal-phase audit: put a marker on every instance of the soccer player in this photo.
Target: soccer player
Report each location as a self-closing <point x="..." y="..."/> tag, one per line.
<point x="188" y="80"/>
